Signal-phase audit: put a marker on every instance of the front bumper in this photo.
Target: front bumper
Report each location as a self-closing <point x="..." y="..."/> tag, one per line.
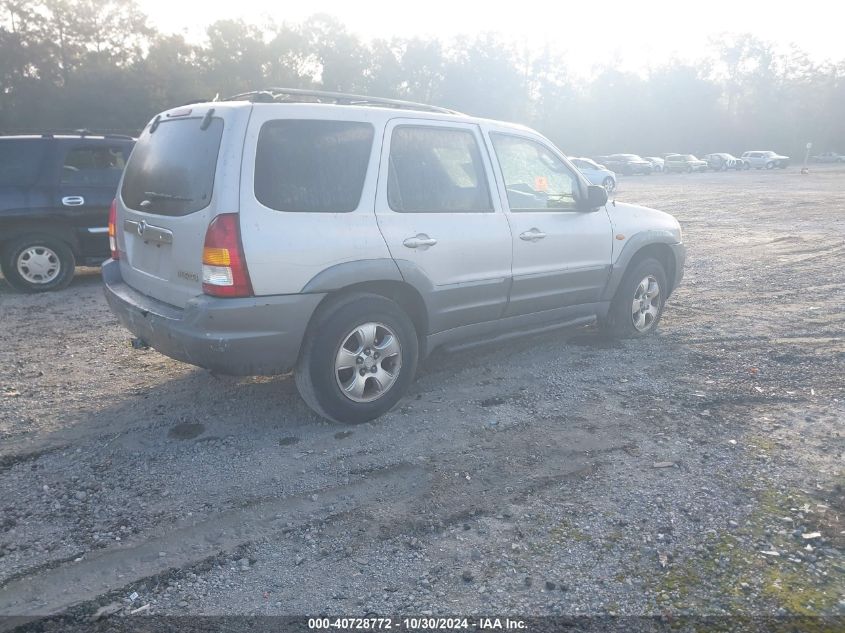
<point x="680" y="253"/>
<point x="250" y="336"/>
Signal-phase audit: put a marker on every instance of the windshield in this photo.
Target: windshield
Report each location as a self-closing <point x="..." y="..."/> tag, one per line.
<point x="171" y="170"/>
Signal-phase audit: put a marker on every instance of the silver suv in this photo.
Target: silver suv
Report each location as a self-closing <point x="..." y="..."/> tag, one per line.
<point x="347" y="237"/>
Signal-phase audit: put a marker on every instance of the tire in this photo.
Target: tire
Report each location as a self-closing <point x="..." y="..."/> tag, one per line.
<point x="621" y="316"/>
<point x="609" y="184"/>
<point x="770" y="165"/>
<point x="38" y="263"/>
<point x="689" y="169"/>
<point x="746" y="166"/>
<point x="344" y="324"/>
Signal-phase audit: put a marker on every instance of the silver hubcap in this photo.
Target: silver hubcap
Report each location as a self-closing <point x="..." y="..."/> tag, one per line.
<point x="646" y="303"/>
<point x="368" y="362"/>
<point x="609" y="184"/>
<point x="39" y="265"/>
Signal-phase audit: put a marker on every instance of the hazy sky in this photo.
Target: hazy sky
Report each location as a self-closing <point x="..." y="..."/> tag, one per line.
<point x="635" y="34"/>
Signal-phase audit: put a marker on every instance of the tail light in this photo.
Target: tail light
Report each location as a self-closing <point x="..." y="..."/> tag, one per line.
<point x="115" y="254"/>
<point x="224" y="272"/>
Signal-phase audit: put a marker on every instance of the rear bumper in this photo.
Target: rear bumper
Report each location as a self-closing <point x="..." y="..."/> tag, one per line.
<point x="250" y="336"/>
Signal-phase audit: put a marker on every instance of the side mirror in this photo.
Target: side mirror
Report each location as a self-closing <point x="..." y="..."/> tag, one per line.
<point x="596" y="197"/>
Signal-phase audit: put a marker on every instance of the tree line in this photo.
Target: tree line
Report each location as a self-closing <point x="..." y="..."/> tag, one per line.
<point x="100" y="65"/>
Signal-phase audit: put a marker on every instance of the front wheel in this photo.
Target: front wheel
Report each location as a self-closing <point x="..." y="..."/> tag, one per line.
<point x="609" y="184"/>
<point x="770" y="165"/>
<point x="358" y="359"/>
<point x="638" y="304"/>
<point x="38" y="263"/>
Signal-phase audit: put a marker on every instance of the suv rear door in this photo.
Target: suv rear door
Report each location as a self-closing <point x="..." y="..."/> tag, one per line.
<point x="183" y="172"/>
<point x="308" y="181"/>
<point x="443" y="226"/>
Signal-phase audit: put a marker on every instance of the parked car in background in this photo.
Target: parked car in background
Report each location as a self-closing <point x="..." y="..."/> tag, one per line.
<point x="595" y="173"/>
<point x="722" y="161"/>
<point x="828" y="157"/>
<point x="767" y="159"/>
<point x="678" y="163"/>
<point x="243" y="264"/>
<point x="55" y="193"/>
<point x="656" y="163"/>
<point x="627" y="164"/>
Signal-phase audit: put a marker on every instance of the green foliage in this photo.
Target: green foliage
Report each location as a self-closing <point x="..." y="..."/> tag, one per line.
<point x="98" y="64"/>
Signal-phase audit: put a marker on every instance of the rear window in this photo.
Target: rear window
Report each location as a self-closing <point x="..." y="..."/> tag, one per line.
<point x="20" y="161"/>
<point x="312" y="166"/>
<point x="171" y="170"/>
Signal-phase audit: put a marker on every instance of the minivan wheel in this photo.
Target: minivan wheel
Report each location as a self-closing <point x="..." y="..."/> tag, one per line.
<point x="358" y="359"/>
<point x="609" y="184"/>
<point x="638" y="304"/>
<point x="38" y="263"/>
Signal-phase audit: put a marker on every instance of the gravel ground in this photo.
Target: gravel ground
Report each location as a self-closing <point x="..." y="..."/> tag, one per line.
<point x="698" y="472"/>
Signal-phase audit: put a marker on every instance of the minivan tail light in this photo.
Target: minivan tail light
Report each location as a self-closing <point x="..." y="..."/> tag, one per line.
<point x="224" y="271"/>
<point x="115" y="254"/>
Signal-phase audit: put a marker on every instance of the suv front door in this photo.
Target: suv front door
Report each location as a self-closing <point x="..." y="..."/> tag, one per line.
<point x="561" y="253"/>
<point x="443" y="226"/>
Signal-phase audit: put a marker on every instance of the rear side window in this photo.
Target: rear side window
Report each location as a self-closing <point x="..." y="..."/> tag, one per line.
<point x="171" y="170"/>
<point x="20" y="161"/>
<point x="436" y="170"/>
<point x="93" y="166"/>
<point x="312" y="166"/>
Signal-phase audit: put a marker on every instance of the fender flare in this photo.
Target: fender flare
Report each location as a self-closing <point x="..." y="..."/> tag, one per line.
<point x="633" y="246"/>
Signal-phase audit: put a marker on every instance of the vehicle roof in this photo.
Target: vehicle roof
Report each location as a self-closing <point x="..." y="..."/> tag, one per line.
<point x="67" y="137"/>
<point x="374" y="113"/>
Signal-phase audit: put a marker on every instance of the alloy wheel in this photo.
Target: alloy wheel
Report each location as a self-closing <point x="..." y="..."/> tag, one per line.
<point x="646" y="303"/>
<point x="38" y="265"/>
<point x="368" y="362"/>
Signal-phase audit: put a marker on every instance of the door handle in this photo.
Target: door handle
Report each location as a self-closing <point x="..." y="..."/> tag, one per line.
<point x="73" y="201"/>
<point x="420" y="240"/>
<point x="532" y="235"/>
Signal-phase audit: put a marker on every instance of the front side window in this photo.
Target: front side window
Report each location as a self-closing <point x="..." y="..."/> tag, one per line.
<point x="93" y="166"/>
<point x="535" y="178"/>
<point x="312" y="166"/>
<point x="20" y="161"/>
<point x="436" y="170"/>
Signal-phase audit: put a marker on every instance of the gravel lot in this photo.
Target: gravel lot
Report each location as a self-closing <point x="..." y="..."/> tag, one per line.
<point x="698" y="472"/>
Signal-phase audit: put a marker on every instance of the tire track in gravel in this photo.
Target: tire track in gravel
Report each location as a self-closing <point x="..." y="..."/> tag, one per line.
<point x="53" y="590"/>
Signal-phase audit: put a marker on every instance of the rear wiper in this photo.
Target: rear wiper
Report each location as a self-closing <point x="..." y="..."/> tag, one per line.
<point x="166" y="196"/>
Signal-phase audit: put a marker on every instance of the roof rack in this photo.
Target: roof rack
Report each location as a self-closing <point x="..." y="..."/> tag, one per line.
<point x="298" y="95"/>
<point x="82" y="133"/>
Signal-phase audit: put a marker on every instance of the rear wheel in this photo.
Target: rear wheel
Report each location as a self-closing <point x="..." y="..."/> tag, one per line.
<point x="609" y="184"/>
<point x="770" y="165"/>
<point x="358" y="359"/>
<point x="38" y="263"/>
<point x="638" y="304"/>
